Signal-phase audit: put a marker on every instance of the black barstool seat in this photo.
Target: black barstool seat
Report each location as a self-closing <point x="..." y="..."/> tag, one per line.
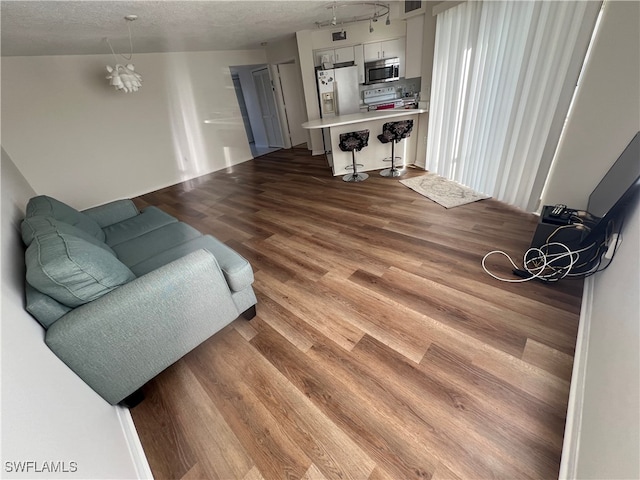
<point x="394" y="132"/>
<point x="354" y="142"/>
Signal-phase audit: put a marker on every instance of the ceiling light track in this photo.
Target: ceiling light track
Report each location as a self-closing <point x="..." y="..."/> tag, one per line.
<point x="376" y="10"/>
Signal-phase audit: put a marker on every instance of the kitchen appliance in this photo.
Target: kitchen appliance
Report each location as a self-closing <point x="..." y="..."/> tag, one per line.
<point x="385" y="70"/>
<point x="339" y="94"/>
<point x="382" y="98"/>
<point x="338" y="91"/>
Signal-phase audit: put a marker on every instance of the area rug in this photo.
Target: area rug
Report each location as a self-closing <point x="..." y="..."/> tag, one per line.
<point x="447" y="193"/>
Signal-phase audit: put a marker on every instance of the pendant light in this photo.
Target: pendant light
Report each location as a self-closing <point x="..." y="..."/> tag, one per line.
<point x="124" y="77"/>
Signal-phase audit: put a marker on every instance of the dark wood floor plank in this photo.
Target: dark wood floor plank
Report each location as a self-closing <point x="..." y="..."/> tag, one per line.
<point x="331" y="450"/>
<point x="258" y="430"/>
<point x="544" y="423"/>
<point x="350" y="411"/>
<point x="381" y="350"/>
<point x="449" y="407"/>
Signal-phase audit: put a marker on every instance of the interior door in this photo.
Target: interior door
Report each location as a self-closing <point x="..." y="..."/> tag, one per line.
<point x="293" y="101"/>
<point x="267" y="101"/>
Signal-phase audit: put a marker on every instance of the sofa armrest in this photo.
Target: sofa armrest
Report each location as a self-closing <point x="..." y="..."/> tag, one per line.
<point x="123" y="339"/>
<point x="112" y="212"/>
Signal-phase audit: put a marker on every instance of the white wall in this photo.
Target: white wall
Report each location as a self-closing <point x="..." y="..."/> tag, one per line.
<point x="609" y="438"/>
<point x="602" y="437"/>
<point x="48" y="413"/>
<point x="606" y="111"/>
<point x="75" y="138"/>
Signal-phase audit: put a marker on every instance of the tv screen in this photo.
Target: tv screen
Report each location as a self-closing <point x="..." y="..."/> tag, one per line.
<point x="616" y="189"/>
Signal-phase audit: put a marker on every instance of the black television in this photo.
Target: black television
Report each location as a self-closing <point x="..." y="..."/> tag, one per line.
<point x="616" y="190"/>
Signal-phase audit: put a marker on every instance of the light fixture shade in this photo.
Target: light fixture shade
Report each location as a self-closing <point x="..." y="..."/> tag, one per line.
<point x="124" y="78"/>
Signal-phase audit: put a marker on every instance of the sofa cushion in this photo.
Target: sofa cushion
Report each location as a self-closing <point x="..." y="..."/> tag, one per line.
<point x="50" y="207"/>
<point x="237" y="271"/>
<point x="34" y="226"/>
<point x="44" y="308"/>
<point x="72" y="270"/>
<point x="150" y="219"/>
<point x="154" y="242"/>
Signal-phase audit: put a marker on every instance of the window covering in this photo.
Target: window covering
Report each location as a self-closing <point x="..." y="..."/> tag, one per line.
<point x="503" y="77"/>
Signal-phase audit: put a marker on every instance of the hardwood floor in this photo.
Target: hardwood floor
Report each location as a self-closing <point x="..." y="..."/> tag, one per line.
<point x="381" y="349"/>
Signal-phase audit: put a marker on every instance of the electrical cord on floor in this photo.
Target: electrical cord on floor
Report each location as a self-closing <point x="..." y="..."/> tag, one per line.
<point x="544" y="265"/>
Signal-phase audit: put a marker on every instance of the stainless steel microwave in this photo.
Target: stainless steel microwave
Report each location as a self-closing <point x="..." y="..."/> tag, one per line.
<point x="385" y="70"/>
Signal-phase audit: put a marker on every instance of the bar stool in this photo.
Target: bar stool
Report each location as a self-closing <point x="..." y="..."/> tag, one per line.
<point x="352" y="142"/>
<point x="394" y="132"/>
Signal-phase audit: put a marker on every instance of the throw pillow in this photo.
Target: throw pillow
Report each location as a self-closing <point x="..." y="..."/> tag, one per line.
<point x="34" y="226"/>
<point x="72" y="270"/>
<point x="50" y="207"/>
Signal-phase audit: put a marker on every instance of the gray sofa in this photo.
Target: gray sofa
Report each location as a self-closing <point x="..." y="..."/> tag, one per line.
<point x="123" y="294"/>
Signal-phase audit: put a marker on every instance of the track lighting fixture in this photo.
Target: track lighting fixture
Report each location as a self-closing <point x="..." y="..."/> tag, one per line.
<point x="124" y="77"/>
<point x="350" y="12"/>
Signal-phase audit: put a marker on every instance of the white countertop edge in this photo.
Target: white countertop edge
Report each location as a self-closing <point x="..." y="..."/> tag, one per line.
<point x="361" y="117"/>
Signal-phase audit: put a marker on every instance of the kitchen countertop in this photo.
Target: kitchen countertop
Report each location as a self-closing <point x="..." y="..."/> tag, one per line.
<point x="361" y="117"/>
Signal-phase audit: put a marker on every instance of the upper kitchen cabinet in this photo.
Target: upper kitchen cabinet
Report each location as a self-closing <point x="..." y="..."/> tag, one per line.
<point x="337" y="55"/>
<point x="386" y="49"/>
<point x="415" y="29"/>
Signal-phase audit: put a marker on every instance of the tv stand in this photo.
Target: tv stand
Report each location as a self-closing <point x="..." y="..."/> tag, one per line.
<point x="562" y="229"/>
<point x="554" y="233"/>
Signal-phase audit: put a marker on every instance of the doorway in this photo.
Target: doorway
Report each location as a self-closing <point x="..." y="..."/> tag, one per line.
<point x="267" y="101"/>
<point x="249" y="103"/>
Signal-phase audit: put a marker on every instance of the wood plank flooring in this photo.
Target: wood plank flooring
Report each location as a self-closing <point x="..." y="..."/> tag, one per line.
<point x="381" y="349"/>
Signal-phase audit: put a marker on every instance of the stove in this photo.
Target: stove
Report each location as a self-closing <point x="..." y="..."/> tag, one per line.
<point x="382" y="98"/>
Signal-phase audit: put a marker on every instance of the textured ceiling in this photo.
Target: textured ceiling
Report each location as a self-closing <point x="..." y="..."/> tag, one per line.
<point x="36" y="27"/>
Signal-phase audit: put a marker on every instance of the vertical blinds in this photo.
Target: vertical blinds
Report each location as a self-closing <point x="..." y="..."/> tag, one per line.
<point x="503" y="77"/>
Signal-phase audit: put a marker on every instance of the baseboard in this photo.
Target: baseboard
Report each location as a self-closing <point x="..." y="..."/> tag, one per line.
<point x="573" y="425"/>
<point x="141" y="465"/>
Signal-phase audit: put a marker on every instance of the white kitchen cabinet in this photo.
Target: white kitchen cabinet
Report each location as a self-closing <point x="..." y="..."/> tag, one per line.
<point x="415" y="29"/>
<point x="372" y="51"/>
<point x="344" y="54"/>
<point x="337" y="55"/>
<point x="387" y="49"/>
<point x="358" y="53"/>
<point x="319" y="54"/>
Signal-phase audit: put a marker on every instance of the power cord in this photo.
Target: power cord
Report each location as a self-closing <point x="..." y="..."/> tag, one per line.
<point x="542" y="264"/>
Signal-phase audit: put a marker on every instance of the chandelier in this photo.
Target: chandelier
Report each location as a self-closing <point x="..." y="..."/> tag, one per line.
<point x="124" y="77"/>
<point x="350" y="12"/>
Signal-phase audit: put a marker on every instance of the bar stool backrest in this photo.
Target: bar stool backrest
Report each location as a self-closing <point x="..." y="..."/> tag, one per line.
<point x="395" y="131"/>
<point x="354" y="140"/>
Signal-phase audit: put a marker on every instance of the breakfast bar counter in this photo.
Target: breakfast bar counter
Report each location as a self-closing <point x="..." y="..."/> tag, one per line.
<point x="373" y="156"/>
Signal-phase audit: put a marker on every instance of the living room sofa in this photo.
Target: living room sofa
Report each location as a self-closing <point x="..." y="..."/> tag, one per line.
<point x="124" y="293"/>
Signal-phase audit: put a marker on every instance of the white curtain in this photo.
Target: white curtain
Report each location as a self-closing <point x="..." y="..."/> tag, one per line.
<point x="503" y="77"/>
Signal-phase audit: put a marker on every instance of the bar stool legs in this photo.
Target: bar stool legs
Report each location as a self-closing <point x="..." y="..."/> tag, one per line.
<point x="352" y="142"/>
<point x="394" y="132"/>
<point x="393" y="171"/>
<point x="355" y="176"/>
